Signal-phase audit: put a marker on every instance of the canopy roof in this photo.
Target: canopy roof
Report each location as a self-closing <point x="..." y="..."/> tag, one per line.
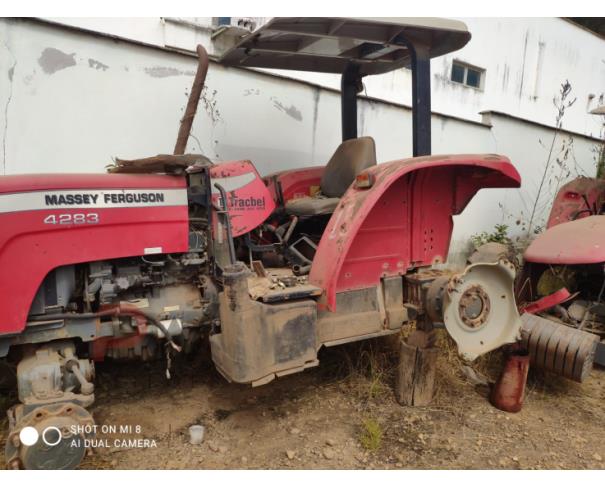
<point x="328" y="44"/>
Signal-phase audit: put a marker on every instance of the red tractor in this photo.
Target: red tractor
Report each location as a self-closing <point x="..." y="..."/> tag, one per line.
<point x="166" y="252"/>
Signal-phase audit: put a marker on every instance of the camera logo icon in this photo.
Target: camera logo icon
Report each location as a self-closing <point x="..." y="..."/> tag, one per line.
<point x="51" y="436"/>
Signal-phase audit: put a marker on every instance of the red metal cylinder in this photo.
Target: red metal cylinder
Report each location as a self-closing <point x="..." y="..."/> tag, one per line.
<point x="509" y="391"/>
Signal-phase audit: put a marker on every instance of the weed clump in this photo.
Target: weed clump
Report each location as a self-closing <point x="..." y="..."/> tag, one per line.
<point x="371" y="435"/>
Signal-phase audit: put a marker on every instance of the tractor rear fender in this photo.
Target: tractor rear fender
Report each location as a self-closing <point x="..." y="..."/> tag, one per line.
<point x="403" y="221"/>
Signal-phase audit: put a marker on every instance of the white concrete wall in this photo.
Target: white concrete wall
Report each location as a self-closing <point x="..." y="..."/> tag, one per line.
<point x="70" y="101"/>
<point x="525" y="62"/>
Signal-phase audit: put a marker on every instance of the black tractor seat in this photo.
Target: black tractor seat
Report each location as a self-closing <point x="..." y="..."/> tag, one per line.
<point x="351" y="158"/>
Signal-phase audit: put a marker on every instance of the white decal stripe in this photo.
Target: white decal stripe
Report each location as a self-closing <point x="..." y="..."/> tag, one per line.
<point x="86" y="198"/>
<point x="233" y="182"/>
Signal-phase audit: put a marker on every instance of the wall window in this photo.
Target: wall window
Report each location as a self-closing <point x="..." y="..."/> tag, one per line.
<point x="467" y="75"/>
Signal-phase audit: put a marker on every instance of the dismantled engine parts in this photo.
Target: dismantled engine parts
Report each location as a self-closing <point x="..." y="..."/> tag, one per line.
<point x="558" y="348"/>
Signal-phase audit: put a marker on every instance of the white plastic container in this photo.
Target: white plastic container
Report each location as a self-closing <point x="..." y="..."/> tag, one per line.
<point x="196" y="434"/>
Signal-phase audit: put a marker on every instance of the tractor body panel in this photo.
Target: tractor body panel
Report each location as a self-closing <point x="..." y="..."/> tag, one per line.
<point x="574" y="242"/>
<point x="249" y="202"/>
<point x="50" y="221"/>
<point x="575" y="200"/>
<point x="575" y="212"/>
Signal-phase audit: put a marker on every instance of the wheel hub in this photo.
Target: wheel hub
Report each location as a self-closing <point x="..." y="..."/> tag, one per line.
<point x="49" y="437"/>
<point x="474" y="307"/>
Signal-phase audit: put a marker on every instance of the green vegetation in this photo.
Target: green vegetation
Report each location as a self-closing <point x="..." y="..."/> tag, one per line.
<point x="499" y="235"/>
<point x="371" y="435"/>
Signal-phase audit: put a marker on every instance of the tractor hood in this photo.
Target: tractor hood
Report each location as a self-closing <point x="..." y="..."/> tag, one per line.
<point x="53" y="220"/>
<point x="577" y="242"/>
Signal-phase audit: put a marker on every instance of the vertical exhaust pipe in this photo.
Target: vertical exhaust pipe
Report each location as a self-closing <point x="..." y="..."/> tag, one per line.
<point x="192" y="103"/>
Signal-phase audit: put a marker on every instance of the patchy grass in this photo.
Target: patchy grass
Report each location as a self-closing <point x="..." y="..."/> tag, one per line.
<point x="488" y="364"/>
<point x="451" y="380"/>
<point x="374" y="368"/>
<point x="371" y="435"/>
<point x="367" y="368"/>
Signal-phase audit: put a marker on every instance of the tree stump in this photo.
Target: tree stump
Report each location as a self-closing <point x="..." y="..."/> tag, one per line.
<point x="416" y="371"/>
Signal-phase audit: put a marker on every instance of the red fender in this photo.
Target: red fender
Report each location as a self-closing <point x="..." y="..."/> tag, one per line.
<point x="403" y="221"/>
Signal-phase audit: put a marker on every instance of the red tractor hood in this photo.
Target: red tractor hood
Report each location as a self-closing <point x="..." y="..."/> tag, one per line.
<point x="576" y="242"/>
<point x="53" y="220"/>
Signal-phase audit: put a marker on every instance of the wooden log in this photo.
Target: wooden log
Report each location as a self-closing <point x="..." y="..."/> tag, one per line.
<point x="416" y="372"/>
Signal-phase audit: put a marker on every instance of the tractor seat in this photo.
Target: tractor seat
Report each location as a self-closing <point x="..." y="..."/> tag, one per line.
<point x="350" y="159"/>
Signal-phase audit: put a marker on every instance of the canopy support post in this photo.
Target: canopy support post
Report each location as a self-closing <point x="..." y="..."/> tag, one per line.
<point x="350" y="86"/>
<point x="421" y="99"/>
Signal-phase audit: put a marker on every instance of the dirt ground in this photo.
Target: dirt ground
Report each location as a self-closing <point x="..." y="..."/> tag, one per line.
<point x="343" y="415"/>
